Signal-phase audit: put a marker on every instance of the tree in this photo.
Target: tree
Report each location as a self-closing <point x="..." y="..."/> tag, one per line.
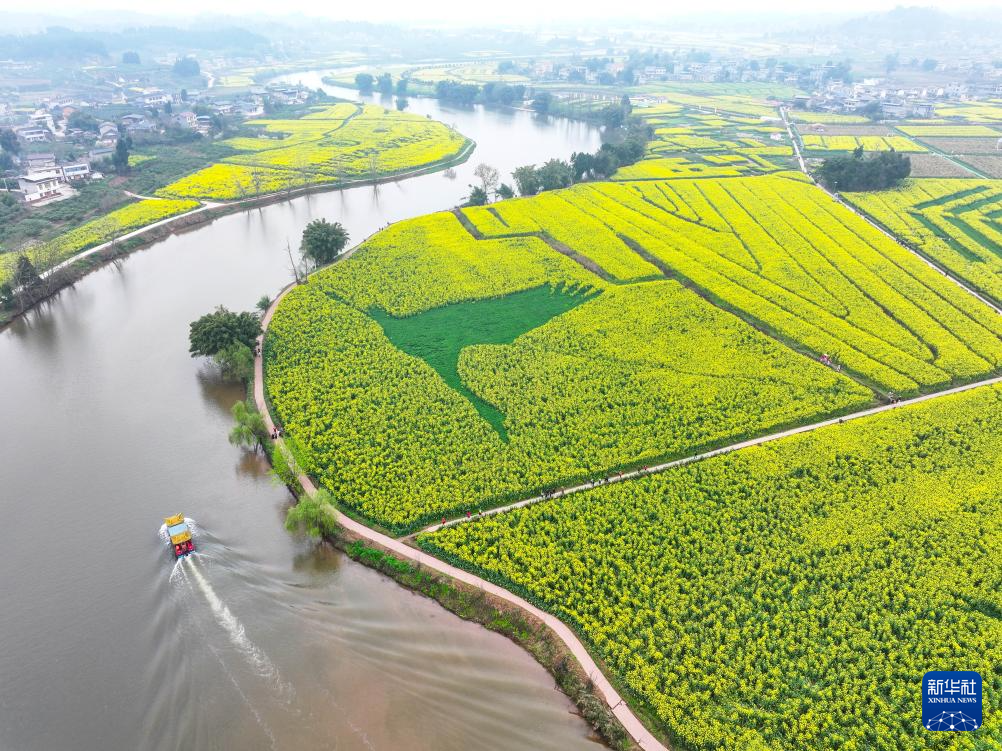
<point x="120" y="159"/>
<point x="527" y="180"/>
<point x="929" y="64"/>
<point x="130" y="58"/>
<point x="186" y="67"/>
<point x="323" y="241"/>
<point x="385" y="84"/>
<point x="25" y="276"/>
<point x="460" y="93"/>
<point x="612" y="116"/>
<point x="217" y="330"/>
<point x="8" y="141"/>
<point x="505" y="191"/>
<point x="236" y="362"/>
<point x="478" y="196"/>
<point x="401" y="104"/>
<point x="891" y="62"/>
<point x="872" y="110"/>
<point x="83" y="121"/>
<point x="885" y="170"/>
<point x="554" y="174"/>
<point x="314" y="515"/>
<point x="250" y="431"/>
<point x="364" y="83"/>
<point x="605" y="163"/>
<point x="582" y="164"/>
<point x="488" y="177"/>
<point x="263" y="303"/>
<point x="542" y="101"/>
<point x="7" y="296"/>
<point x="401" y="87"/>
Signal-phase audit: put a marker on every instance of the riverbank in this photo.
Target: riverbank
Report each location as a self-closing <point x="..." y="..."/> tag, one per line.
<point x="496" y="614"/>
<point x="600" y="686"/>
<point x="73" y="269"/>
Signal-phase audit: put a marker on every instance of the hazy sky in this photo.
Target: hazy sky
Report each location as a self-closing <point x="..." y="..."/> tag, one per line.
<point x="528" y="12"/>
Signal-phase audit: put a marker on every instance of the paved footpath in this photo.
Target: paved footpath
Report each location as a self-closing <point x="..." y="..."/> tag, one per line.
<point x="623" y="713"/>
<point x="633" y="726"/>
<point x="654" y="469"/>
<point x="869" y="220"/>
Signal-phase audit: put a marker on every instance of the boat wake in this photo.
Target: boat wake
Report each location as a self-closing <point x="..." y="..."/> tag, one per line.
<point x="234" y="629"/>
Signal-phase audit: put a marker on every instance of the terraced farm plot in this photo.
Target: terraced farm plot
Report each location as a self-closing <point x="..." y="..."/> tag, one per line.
<point x="333" y="144"/>
<point x="633" y="373"/>
<point x="950" y="131"/>
<point x="869" y="143"/>
<point x="782" y="596"/>
<point x="782" y="254"/>
<point x="641" y="370"/>
<point x="827" y="118"/>
<point x="988" y="111"/>
<point x="690" y="143"/>
<point x="673" y="167"/>
<point x="732" y="104"/>
<point x="957" y="223"/>
<point x="934" y="165"/>
<point x="986" y="164"/>
<point x="989" y="146"/>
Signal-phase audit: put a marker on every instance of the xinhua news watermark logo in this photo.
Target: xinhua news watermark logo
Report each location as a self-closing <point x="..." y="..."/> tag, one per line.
<point x="951" y="700"/>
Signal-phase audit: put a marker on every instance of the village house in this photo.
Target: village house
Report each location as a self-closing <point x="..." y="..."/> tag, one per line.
<point x="76" y="171"/>
<point x="97" y="154"/>
<point x="203" y="123"/>
<point x="40" y="185"/>
<point x="185" y="119"/>
<point x="34" y="135"/>
<point x="38" y="162"/>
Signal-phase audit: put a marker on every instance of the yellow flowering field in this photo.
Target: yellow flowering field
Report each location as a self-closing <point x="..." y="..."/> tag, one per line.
<point x="341" y="142"/>
<point x="95" y="232"/>
<point x="782" y="596"/>
<point x="869" y="143"/>
<point x="669" y="167"/>
<point x="634" y="373"/>
<point x="791" y="275"/>
<point x="953" y="221"/>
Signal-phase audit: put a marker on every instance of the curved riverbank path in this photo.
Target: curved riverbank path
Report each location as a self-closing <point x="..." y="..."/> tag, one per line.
<point x="264" y="199"/>
<point x="640" y="734"/>
<point x="630" y="722"/>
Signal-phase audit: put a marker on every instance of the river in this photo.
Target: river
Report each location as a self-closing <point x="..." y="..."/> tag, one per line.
<point x="261" y="640"/>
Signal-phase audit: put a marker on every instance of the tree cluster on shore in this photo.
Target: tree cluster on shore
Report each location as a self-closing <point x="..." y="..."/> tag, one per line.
<point x="855" y="173"/>
<point x="554" y="174"/>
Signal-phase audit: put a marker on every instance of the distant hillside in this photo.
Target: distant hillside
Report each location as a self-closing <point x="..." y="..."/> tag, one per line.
<point x="911" y="23"/>
<point x="59" y="43"/>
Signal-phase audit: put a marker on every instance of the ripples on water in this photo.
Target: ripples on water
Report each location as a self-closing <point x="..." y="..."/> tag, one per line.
<point x="259" y="640"/>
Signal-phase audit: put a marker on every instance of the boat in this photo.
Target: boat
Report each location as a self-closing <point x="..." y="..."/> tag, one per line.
<point x="180" y="535"/>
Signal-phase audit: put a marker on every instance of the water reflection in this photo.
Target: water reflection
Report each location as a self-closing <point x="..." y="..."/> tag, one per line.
<point x="217" y="391"/>
<point x="117" y="426"/>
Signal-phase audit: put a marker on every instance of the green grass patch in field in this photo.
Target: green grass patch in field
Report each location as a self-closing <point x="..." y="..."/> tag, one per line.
<point x="437" y="336"/>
